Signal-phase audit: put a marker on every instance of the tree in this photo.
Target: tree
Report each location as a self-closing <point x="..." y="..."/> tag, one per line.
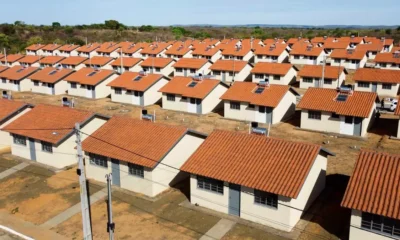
<point x="112" y="24"/>
<point x="56" y="25"/>
<point x="146" y="28"/>
<point x="69" y="30"/>
<point x="4" y="41"/>
<point x="388" y="31"/>
<point x="398" y="28"/>
<point x="34" y="40"/>
<point x="19" y="23"/>
<point x="178" y="32"/>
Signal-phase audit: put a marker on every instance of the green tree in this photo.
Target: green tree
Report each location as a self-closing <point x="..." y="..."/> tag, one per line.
<point x="178" y="32"/>
<point x="56" y="25"/>
<point x="4" y="41"/>
<point x="69" y="30"/>
<point x="34" y="40"/>
<point x="388" y="31"/>
<point x="146" y="28"/>
<point x="112" y="24"/>
<point x="257" y="32"/>
<point x="398" y="28"/>
<point x="19" y="23"/>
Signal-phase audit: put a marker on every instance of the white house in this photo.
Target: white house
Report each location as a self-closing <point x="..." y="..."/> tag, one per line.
<point x="143" y="157"/>
<point x="274" y="53"/>
<point x="17" y="78"/>
<point x="292" y="41"/>
<point x="388" y="60"/>
<point x="372" y="49"/>
<point x="56" y="146"/>
<point x="194" y="95"/>
<point x="126" y="64"/>
<point x="49" y="80"/>
<point x="311" y="76"/>
<point x="133" y="50"/>
<point x="76" y="63"/>
<point x="30" y="61"/>
<point x="51" y="61"/>
<point x="274" y="73"/>
<point x="99" y="62"/>
<point x="211" y="53"/>
<point x="51" y="49"/>
<point x="178" y="51"/>
<point x="307" y="55"/>
<point x="136" y="88"/>
<point x="259" y="102"/>
<point x="350" y="59"/>
<point x="69" y="50"/>
<point x="372" y="194"/>
<point x="11" y="60"/>
<point x="231" y="70"/>
<point x="338" y="111"/>
<point x="34" y="49"/>
<point x="156" y="49"/>
<point x="381" y="81"/>
<point x="109" y="49"/>
<point x="238" y="52"/>
<point x="90" y="83"/>
<point x="88" y="50"/>
<point x="265" y="180"/>
<point x="329" y="46"/>
<point x="185" y="67"/>
<point x="158" y="65"/>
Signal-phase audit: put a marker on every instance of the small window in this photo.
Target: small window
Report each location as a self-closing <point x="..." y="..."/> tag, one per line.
<point x="383" y="65"/>
<point x="216" y="73"/>
<point x="47" y="147"/>
<point x="266" y="198"/>
<point x="73" y="85"/>
<point x="20" y="140"/>
<point x="328" y="81"/>
<point x="136" y="170"/>
<point x="277" y="77"/>
<point x="230" y="74"/>
<point x="210" y="184"/>
<point x="314" y="115"/>
<point x="348" y="120"/>
<point x="381" y="224"/>
<point x="308" y="80"/>
<point x="235" y="105"/>
<point x="363" y="84"/>
<point x="296" y="57"/>
<point x="171" y="97"/>
<point x="192" y="70"/>
<point x="334" y="115"/>
<point x="387" y="86"/>
<point x="179" y="70"/>
<point x="258" y="76"/>
<point x="98" y="160"/>
<point x="118" y="91"/>
<point x="261" y="109"/>
<point x="337" y="60"/>
<point x="36" y="83"/>
<point x="251" y="106"/>
<point x="4" y="80"/>
<point x="158" y="69"/>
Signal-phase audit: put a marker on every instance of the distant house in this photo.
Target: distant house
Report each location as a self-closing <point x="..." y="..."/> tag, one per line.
<point x="88" y="50"/>
<point x="335" y="44"/>
<point x="126" y="64"/>
<point x="34" y="49"/>
<point x="51" y="49"/>
<point x="69" y="50"/>
<point x="322" y="40"/>
<point x="185" y="67"/>
<point x="51" y="61"/>
<point x="9" y="112"/>
<point x="372" y="49"/>
<point x="276" y="53"/>
<point x="307" y="55"/>
<point x="99" y="62"/>
<point x="372" y="194"/>
<point x="265" y="180"/>
<point x="354" y="41"/>
<point x="76" y="63"/>
<point x="381" y="81"/>
<point x="350" y="58"/>
<point x="386" y="42"/>
<point x="291" y="41"/>
<point x="108" y="49"/>
<point x="90" y="83"/>
<point x="238" y="52"/>
<point x="11" y="60"/>
<point x="150" y="149"/>
<point x="155" y="50"/>
<point x="133" y="50"/>
<point x="137" y="88"/>
<point x="311" y="76"/>
<point x="274" y="73"/>
<point x="388" y="60"/>
<point x="269" y="41"/>
<point x="193" y="95"/>
<point x="158" y="65"/>
<point x="54" y="147"/>
<point x="337" y="111"/>
<point x="231" y="70"/>
<point x="17" y="78"/>
<point x="30" y="61"/>
<point x="50" y="80"/>
<point x="256" y="102"/>
<point x="178" y="51"/>
<point x="207" y="52"/>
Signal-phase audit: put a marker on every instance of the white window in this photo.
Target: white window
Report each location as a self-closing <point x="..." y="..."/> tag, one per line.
<point x="98" y="160"/>
<point x="47" y="147"/>
<point x="136" y="170"/>
<point x="381" y="224"/>
<point x="171" y="97"/>
<point x="118" y="91"/>
<point x="235" y="105"/>
<point x="387" y="86"/>
<point x="363" y="84"/>
<point x="308" y="80"/>
<point x="328" y="81"/>
<point x="265" y="198"/>
<point x="20" y="140"/>
<point x="210" y="184"/>
<point x="314" y="115"/>
<point x="73" y="85"/>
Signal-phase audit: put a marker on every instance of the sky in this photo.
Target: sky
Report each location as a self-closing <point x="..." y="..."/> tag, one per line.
<point x="222" y="12"/>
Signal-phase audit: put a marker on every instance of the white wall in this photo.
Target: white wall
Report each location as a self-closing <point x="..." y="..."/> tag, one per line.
<point x="263" y="58"/>
<point x="152" y="95"/>
<point x="379" y="89"/>
<point x="285" y="108"/>
<point x="5" y="137"/>
<point x="59" y="88"/>
<point x="326" y="124"/>
<point x="357" y="233"/>
<point x="203" y="70"/>
<point x="212" y="100"/>
<point x="101" y="90"/>
<point x="367" y="122"/>
<point x="283" y="80"/>
<point x="334" y="84"/>
<point x="389" y="66"/>
<point x="244" y="113"/>
<point x="178" y="105"/>
<point x="239" y="77"/>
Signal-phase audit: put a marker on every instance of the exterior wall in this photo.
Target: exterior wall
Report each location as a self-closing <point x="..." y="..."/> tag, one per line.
<point x="326" y="124"/>
<point x="390" y="66"/>
<point x="203" y="70"/>
<point x="72" y="53"/>
<point x="243" y="114"/>
<point x="357" y="233"/>
<point x="379" y="90"/>
<point x="124" y="97"/>
<point x="101" y="89"/>
<point x="285" y="108"/>
<point x="281" y="58"/>
<point x="88" y="55"/>
<point x="59" y="88"/>
<point x="248" y="56"/>
<point x="284" y="80"/>
<point x="306" y="61"/>
<point x="25" y="85"/>
<point x="367" y="122"/>
<point x="334" y="84"/>
<point x="349" y="65"/>
<point x="239" y="77"/>
<point x="152" y="95"/>
<point x="179" y="104"/>
<point x="213" y="99"/>
<point x="5" y="137"/>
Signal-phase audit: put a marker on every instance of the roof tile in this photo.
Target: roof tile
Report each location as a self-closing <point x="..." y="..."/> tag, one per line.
<point x="179" y="85"/>
<point x="51" y="74"/>
<point x="272" y="68"/>
<point x="228" y="65"/>
<point x="82" y="76"/>
<point x="315" y="71"/>
<point x="377" y="75"/>
<point x="126" y="81"/>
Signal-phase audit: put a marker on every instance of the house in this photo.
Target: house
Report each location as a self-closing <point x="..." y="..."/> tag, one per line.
<point x="261" y="179"/>
<point x="388" y="60"/>
<point x="3" y="68"/>
<point x="30" y="61"/>
<point x="354" y="41"/>
<point x="373" y="195"/>
<point x="54" y="142"/>
<point x="143" y="156"/>
<point x="372" y="49"/>
<point x="34" y="49"/>
<point x="211" y="53"/>
<point x="387" y="43"/>
<point x="335" y="44"/>
<point x="271" y="53"/>
<point x="11" y="60"/>
<point x="51" y="49"/>
<point x="88" y="50"/>
<point x="231" y="70"/>
<point x="269" y="41"/>
<point x="99" y="62"/>
<point x="227" y="43"/>
<point x="157" y="49"/>
<point x="394" y="49"/>
<point x="158" y="65"/>
<point x="307" y="55"/>
<point x="124" y="64"/>
<point x="90" y="83"/>
<point x="349" y="58"/>
<point x="185" y="67"/>
<point x="134" y="50"/>
<point x="238" y="52"/>
<point x="9" y="112"/>
<point x="194" y="95"/>
<point x="51" y="61"/>
<point x="384" y="82"/>
<point x="49" y="80"/>
<point x="274" y="73"/>
<point x="338" y="111"/>
<point x="259" y="102"/>
<point x="136" y="88"/>
<point x="291" y="41"/>
<point x="322" y="40"/>
<point x="311" y="76"/>
<point x="211" y="41"/>
<point x="109" y="49"/>
<point x="74" y="62"/>
<point x="178" y="51"/>
<point x="17" y="78"/>
<point x="69" y="50"/>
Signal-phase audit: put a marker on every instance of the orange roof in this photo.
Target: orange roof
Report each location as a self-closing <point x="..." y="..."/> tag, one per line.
<point x="69" y="47"/>
<point x="377" y="47"/>
<point x="271" y="41"/>
<point x="30" y="59"/>
<point x="51" y="75"/>
<point x="89" y="48"/>
<point x="322" y="39"/>
<point x="51" y="47"/>
<point x="305" y="51"/>
<point x="232" y="51"/>
<point x="51" y="59"/>
<point x="9" y="108"/>
<point x="12" y="58"/>
<point x="377" y="75"/>
<point x="348" y="54"/>
<point x="269" y="164"/>
<point x="193" y="63"/>
<point x="394" y="49"/>
<point x="295" y="40"/>
<point x="139" y="142"/>
<point x="272" y="68"/>
<point x="228" y="65"/>
<point x="205" y="50"/>
<point x="3" y="68"/>
<point x="108" y="47"/>
<point x="126" y="62"/>
<point x="55" y="123"/>
<point x="210" y="41"/>
<point x="155" y="48"/>
<point x="248" y="42"/>
<point x="179" y="85"/>
<point x="18" y="73"/>
<point x="134" y="47"/>
<point x="270" y="49"/>
<point x="127" y="81"/>
<point x="35" y="47"/>
<point x="83" y="76"/>
<point x="387" y="58"/>
<point x="374" y="186"/>
<point x="358" y="104"/>
<point x="98" y="60"/>
<point x="336" y="45"/>
<point x="73" y="60"/>
<point x="351" y="39"/>
<point x="244" y="92"/>
<point x="227" y="43"/>
<point x="156" y="62"/>
<point x="315" y="71"/>
<point x="178" y="49"/>
<point x="386" y="41"/>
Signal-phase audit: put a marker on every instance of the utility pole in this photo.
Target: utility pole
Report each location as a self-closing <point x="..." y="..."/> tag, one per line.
<point x="87" y="230"/>
<point x="323" y="71"/>
<point x="86" y="41"/>
<point x="122" y="65"/>
<point x="110" y="223"/>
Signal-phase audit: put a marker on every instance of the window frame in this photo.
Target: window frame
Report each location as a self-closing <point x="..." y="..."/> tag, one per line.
<point x="328" y="81"/>
<point x="171" y="97"/>
<point x="98" y="160"/>
<point x="135" y="170"/>
<point x="367" y="223"/>
<point x="386" y="86"/>
<point x="74" y="85"/>
<point x="47" y="147"/>
<point x="233" y="105"/>
<point x="210" y="185"/>
<point x="21" y="141"/>
<point x="308" y="80"/>
<point x="118" y="91"/>
<point x="265" y="199"/>
<point x="314" y="115"/>
<point x="363" y="84"/>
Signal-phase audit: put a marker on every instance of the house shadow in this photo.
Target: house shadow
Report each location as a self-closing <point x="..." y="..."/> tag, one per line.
<point x="385" y="126"/>
<point x="294" y="120"/>
<point x="182" y="183"/>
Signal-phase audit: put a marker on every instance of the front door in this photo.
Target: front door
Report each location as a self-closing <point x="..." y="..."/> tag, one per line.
<point x="32" y="149"/>
<point x="346" y="125"/>
<point x="316" y="82"/>
<point x="89" y="91"/>
<point x="357" y="126"/>
<point x="50" y="89"/>
<point x="374" y="87"/>
<point x="269" y="115"/>
<point x="192" y="106"/>
<point x="135" y="98"/>
<point x="115" y="172"/>
<point x="261" y="114"/>
<point x="223" y="76"/>
<point x="234" y="199"/>
<point x="185" y="72"/>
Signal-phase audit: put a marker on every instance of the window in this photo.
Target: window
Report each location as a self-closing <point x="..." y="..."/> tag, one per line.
<point x="259" y="76"/>
<point x="4" y="80"/>
<point x="158" y="69"/>
<point x="216" y="73"/>
<point x="277" y="77"/>
<point x="192" y="84"/>
<point x="179" y="70"/>
<point x="307" y="80"/>
<point x="251" y="106"/>
<point x="73" y="85"/>
<point x="337" y="60"/>
<point x="354" y="61"/>
<point x="47" y="147"/>
<point x="314" y="115"/>
<point x="387" y="86"/>
<point x="296" y="57"/>
<point x="348" y="120"/>
<point x="136" y="170"/>
<point x="230" y="74"/>
<point x="383" y="65"/>
<point x="192" y="70"/>
<point x="20" y="140"/>
<point x="210" y="184"/>
<point x="334" y="115"/>
<point x="36" y="83"/>
<point x="118" y="91"/>
<point x="384" y="225"/>
<point x="328" y="81"/>
<point x="266" y="198"/>
<point x="98" y="160"/>
<point x="171" y="97"/>
<point x="261" y="109"/>
<point x="363" y="84"/>
<point x="235" y="105"/>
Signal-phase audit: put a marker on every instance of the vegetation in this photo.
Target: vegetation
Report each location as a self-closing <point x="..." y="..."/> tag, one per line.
<point x="15" y="37"/>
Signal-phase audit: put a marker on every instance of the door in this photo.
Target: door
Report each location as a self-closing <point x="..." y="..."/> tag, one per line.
<point x="234" y="199"/>
<point x="269" y="115"/>
<point x="185" y="72"/>
<point x="89" y="91"/>
<point x="223" y="76"/>
<point x="115" y="172"/>
<point x="135" y="98"/>
<point x="32" y="149"/>
<point x="346" y="125"/>
<point x="261" y="114"/>
<point x="16" y="86"/>
<point x="357" y="126"/>
<point x="374" y="87"/>
<point x="198" y="103"/>
<point x="316" y="83"/>
<point x="50" y="89"/>
<point x="192" y="106"/>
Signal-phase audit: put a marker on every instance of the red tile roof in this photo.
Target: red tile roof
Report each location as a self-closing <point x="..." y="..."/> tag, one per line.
<point x="394" y="49"/>
<point x="98" y="60"/>
<point x="270" y="49"/>
<point x="276" y="41"/>
<point x="228" y="65"/>
<point x="359" y="104"/>
<point x="371" y="47"/>
<point x="205" y="50"/>
<point x="134" y="48"/>
<point x="3" y="68"/>
<point x="108" y="47"/>
<point x="179" y="85"/>
<point x="18" y="73"/>
<point x="126" y="62"/>
<point x="352" y="39"/>
<point x="126" y="81"/>
<point x="51" y="59"/>
<point x="348" y="54"/>
<point x="30" y="59"/>
<point x="387" y="58"/>
<point x="377" y="75"/>
<point x="322" y="39"/>
<point x="336" y="45"/>
<point x="73" y="60"/>
<point x="264" y="163"/>
<point x="232" y="51"/>
<point x="82" y="76"/>
<point x="35" y="47"/>
<point x="374" y="186"/>
<point x="51" y="47"/>
<point x="12" y="58"/>
<point x="272" y="68"/>
<point x="156" y="62"/>
<point x="315" y="71"/>
<point x="210" y="41"/>
<point x="139" y="142"/>
<point x="192" y="63"/>
<point x="178" y="49"/>
<point x="9" y="107"/>
<point x="155" y="48"/>
<point x="69" y="47"/>
<point x="295" y="40"/>
<point x="89" y="48"/>
<point x="56" y="75"/>
<point x="306" y="51"/>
